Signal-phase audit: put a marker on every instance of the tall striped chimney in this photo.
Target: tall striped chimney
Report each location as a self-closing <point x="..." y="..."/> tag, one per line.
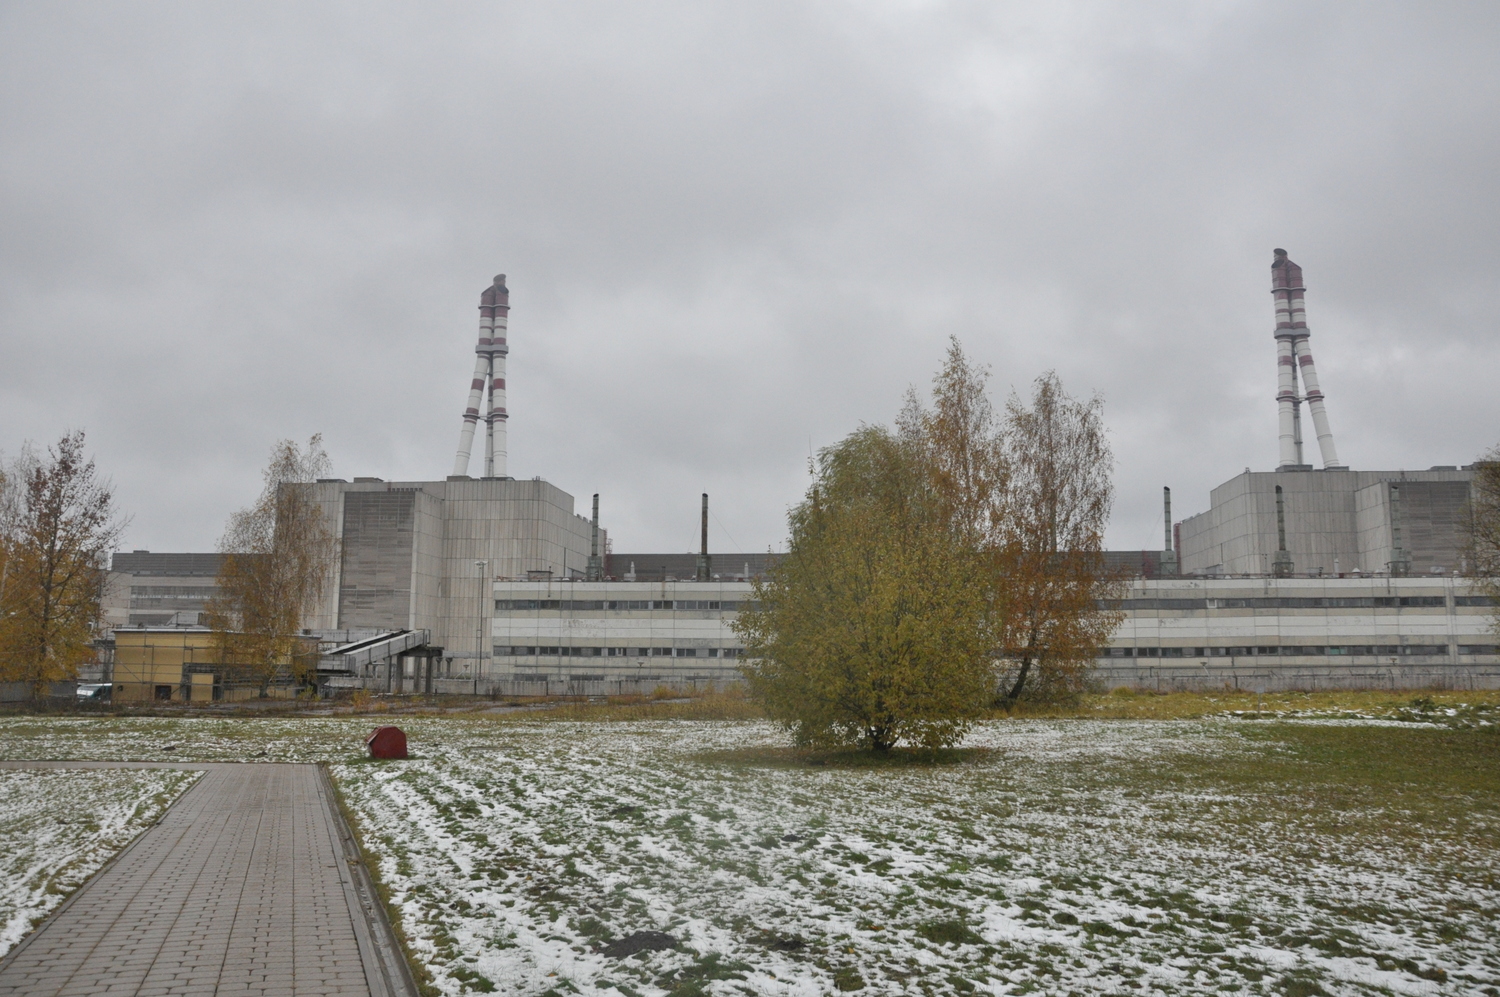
<point x="1294" y="355"/>
<point x="489" y="378"/>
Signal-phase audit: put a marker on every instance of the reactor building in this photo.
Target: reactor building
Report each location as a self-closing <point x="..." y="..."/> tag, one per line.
<point x="1300" y="577"/>
<point x="1331" y="521"/>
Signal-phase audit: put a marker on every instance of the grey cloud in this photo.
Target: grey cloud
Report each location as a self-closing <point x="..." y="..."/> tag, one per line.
<point x="733" y="233"/>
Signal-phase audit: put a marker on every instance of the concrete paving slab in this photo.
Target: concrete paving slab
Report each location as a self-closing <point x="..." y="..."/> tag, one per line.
<point x="249" y="884"/>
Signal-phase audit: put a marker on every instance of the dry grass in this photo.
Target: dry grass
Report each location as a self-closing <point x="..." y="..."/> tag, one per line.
<point x="732" y="704"/>
<point x="1128" y="704"/>
<point x="1122" y="704"/>
<point x="735" y="704"/>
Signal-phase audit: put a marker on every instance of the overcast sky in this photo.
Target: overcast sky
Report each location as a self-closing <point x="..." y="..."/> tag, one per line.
<point x="734" y="232"/>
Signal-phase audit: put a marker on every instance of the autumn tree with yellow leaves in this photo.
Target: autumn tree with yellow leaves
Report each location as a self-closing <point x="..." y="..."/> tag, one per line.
<point x="870" y="629"/>
<point x="940" y="569"/>
<point x="57" y="529"/>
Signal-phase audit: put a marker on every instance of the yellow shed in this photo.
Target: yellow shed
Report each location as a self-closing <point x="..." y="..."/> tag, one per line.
<point x="164" y="663"/>
<point x="185" y="664"/>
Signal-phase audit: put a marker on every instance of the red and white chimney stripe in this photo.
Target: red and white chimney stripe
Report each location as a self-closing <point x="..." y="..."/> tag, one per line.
<point x="489" y="377"/>
<point x="1293" y="354"/>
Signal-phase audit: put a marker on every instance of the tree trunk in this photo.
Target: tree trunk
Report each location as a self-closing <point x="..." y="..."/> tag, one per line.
<point x="1015" y="690"/>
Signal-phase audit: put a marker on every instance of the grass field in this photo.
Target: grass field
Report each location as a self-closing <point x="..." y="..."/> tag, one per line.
<point x="1214" y="855"/>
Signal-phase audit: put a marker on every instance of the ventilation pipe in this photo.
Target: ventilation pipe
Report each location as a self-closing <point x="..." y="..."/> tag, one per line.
<point x="596" y="563"/>
<point x="704" y="562"/>
<point x="1281" y="567"/>
<point x="1168" y="556"/>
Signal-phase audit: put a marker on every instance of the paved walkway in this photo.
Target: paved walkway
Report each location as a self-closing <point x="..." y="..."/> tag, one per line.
<point x="247" y="886"/>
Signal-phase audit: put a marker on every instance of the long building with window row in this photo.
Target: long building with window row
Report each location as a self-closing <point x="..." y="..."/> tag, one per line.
<point x="591" y="638"/>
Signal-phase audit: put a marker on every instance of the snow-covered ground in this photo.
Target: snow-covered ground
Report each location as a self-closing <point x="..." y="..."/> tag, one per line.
<point x="1067" y="856"/>
<point x="58" y="827"/>
<point x="517" y="857"/>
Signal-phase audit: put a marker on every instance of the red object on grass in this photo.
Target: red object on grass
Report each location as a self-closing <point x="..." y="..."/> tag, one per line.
<point x="387" y="742"/>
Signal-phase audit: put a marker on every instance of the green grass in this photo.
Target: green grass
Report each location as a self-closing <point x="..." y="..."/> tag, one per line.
<point x="846" y="758"/>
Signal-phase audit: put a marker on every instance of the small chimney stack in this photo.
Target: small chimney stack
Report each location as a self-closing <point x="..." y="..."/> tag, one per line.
<point x="1168" y="555"/>
<point x="596" y="563"/>
<point x="704" y="564"/>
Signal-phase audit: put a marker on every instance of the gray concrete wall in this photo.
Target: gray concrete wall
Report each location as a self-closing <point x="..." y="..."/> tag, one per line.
<point x="1432" y="524"/>
<point x="1372" y="525"/>
<point x="158" y="589"/>
<point x="1303" y="633"/>
<point x="377" y="559"/>
<point x="1334" y="521"/>
<point x="410" y="551"/>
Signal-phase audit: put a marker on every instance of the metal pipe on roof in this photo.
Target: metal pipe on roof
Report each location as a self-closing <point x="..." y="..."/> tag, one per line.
<point x="1166" y="503"/>
<point x="1169" y="556"/>
<point x="704" y="564"/>
<point x="596" y="563"/>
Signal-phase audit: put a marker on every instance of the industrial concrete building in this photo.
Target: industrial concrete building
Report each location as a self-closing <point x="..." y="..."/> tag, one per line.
<point x="185" y="664"/>
<point x="1303" y="633"/>
<point x="581" y="637"/>
<point x="1336" y="522"/>
<point x="145" y="589"/>
<point x="422" y="554"/>
<point x="587" y="638"/>
<point x="1332" y="521"/>
<point x="1293" y="578"/>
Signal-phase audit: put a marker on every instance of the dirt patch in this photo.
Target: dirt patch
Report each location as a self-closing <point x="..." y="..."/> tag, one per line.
<point x="640" y="941"/>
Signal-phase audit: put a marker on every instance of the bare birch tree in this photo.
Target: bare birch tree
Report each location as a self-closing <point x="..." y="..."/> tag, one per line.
<point x="1057" y="504"/>
<point x="1030" y="493"/>
<point x="275" y="568"/>
<point x="57" y="529"/>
